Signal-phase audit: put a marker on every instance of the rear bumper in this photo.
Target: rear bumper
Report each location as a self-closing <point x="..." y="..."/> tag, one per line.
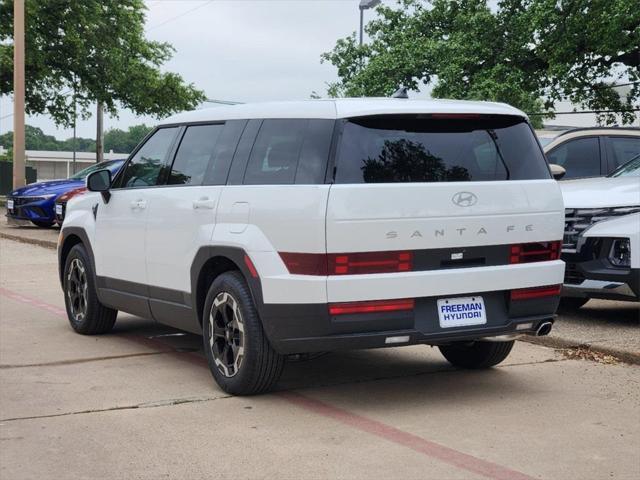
<point x="310" y="328"/>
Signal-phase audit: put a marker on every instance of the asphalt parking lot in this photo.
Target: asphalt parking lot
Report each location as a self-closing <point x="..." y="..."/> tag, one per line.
<point x="140" y="403"/>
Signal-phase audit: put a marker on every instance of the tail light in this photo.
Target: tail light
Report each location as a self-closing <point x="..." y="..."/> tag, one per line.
<point x="348" y="263"/>
<point x="372" y="306"/>
<point x="65" y="197"/>
<point x="535" y="252"/>
<point x="536" y="292"/>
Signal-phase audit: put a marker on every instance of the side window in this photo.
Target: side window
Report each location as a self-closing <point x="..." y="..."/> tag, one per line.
<point x="312" y="166"/>
<point x="274" y="158"/>
<point x="225" y="149"/>
<point x="195" y="151"/>
<point x="622" y="149"/>
<point x="579" y="157"/>
<point x="144" y="168"/>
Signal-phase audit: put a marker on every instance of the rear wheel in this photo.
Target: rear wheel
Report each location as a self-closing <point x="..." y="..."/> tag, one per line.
<point x="571" y="304"/>
<point x="85" y="312"/>
<point x="42" y="224"/>
<point x="476" y="355"/>
<point x="240" y="357"/>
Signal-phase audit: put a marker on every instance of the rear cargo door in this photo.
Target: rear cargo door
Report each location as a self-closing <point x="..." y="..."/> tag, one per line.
<point x="436" y="183"/>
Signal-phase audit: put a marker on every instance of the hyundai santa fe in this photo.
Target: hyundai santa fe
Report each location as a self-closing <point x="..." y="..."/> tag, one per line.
<point x="283" y="228"/>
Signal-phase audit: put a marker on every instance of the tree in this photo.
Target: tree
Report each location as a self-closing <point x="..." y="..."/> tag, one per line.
<point x="125" y="141"/>
<point x="528" y="53"/>
<point x="91" y="51"/>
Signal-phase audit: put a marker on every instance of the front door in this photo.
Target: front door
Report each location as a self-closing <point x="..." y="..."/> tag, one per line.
<point x="119" y="246"/>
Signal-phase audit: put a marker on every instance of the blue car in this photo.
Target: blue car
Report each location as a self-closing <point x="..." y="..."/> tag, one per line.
<point x="35" y="202"/>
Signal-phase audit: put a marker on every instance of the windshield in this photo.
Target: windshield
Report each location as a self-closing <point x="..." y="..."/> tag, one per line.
<point x="629" y="169"/>
<point x="438" y="148"/>
<point x="111" y="165"/>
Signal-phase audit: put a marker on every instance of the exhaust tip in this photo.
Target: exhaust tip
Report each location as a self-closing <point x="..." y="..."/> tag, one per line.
<point x="544" y="329"/>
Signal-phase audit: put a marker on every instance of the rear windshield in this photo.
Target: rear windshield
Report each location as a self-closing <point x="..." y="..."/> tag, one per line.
<point x="438" y="148"/>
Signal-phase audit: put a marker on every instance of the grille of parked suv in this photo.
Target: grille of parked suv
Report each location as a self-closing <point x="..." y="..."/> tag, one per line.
<point x="577" y="220"/>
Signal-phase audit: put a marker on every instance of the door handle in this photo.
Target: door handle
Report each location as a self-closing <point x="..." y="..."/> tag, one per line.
<point x="204" y="203"/>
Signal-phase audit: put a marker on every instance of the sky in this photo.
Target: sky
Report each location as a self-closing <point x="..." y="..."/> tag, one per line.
<point x="239" y="50"/>
<point x="245" y="50"/>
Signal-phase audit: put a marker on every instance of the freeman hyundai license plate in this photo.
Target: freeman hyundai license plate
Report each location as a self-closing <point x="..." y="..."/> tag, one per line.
<point x="461" y="312"/>
<point x="58" y="209"/>
<point x="9" y="204"/>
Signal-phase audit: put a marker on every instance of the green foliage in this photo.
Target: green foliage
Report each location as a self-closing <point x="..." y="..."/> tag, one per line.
<point x="97" y="49"/>
<point x="528" y="53"/>
<point x="119" y="141"/>
<point x="125" y="141"/>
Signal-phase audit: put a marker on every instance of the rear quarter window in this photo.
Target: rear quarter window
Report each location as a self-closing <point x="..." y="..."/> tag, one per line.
<point x="430" y="148"/>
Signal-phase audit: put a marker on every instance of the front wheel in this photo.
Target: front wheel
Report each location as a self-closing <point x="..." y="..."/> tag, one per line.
<point x="239" y="354"/>
<point x="85" y="312"/>
<point x="476" y="355"/>
<point x="42" y="224"/>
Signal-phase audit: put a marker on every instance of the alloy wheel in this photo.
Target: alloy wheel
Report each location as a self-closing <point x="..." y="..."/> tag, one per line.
<point x="77" y="287"/>
<point x="226" y="334"/>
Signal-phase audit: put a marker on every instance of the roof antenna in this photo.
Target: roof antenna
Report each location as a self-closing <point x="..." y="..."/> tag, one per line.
<point x="400" y="93"/>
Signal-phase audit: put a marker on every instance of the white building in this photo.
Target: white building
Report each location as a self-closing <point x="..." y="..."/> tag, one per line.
<point x="54" y="165"/>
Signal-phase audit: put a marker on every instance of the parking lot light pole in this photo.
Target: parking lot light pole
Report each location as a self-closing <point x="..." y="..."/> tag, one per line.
<point x="365" y="5"/>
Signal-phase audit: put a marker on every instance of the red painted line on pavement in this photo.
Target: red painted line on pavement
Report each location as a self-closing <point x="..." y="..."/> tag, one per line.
<point x="430" y="449"/>
<point x="33" y="301"/>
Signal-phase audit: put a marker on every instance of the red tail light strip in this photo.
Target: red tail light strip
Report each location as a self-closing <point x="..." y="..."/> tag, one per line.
<point x="535" y="252"/>
<point x="536" y="292"/>
<point x="347" y="263"/>
<point x="372" y="306"/>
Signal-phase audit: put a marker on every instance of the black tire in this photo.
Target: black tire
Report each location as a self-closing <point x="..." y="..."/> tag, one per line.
<point x="476" y="355"/>
<point x="42" y="224"/>
<point x="85" y="312"/>
<point x="240" y="356"/>
<point x="571" y="304"/>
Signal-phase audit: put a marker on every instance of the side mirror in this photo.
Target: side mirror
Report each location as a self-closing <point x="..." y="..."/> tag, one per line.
<point x="557" y="171"/>
<point x="100" y="181"/>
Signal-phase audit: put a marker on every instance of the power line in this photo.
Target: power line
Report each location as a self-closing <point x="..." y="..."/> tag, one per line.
<point x="180" y="15"/>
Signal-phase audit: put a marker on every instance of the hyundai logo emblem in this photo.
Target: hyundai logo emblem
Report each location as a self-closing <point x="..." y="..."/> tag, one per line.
<point x="465" y="199"/>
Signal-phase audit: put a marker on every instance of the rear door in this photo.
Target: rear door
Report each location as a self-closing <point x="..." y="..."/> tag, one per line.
<point x="121" y="223"/>
<point x="438" y="186"/>
<point x="182" y="216"/>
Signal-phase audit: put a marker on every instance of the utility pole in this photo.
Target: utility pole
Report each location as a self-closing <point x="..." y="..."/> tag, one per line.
<point x="99" y="133"/>
<point x="18" y="94"/>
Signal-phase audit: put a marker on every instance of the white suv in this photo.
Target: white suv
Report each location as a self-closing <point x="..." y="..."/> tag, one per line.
<point x="295" y="227"/>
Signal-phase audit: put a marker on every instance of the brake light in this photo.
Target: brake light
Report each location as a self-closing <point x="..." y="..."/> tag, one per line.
<point x="372" y="306"/>
<point x="456" y="116"/>
<point x="348" y="263"/>
<point x="536" y="292"/>
<point x="534" y="252"/>
<point x="65" y="197"/>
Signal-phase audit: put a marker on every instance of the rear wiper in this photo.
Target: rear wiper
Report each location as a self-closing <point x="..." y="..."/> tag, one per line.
<point x="494" y="138"/>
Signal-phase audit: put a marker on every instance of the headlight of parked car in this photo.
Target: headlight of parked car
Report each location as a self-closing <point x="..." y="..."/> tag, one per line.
<point x="620" y="254"/>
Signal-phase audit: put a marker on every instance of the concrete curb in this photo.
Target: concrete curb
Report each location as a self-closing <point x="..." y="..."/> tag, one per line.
<point x="626" y="356"/>
<point x="32" y="241"/>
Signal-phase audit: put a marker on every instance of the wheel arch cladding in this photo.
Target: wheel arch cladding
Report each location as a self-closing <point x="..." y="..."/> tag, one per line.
<point x="211" y="262"/>
<point x="71" y="238"/>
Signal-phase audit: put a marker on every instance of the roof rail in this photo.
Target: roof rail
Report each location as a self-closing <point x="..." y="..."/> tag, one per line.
<point x="615" y="129"/>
